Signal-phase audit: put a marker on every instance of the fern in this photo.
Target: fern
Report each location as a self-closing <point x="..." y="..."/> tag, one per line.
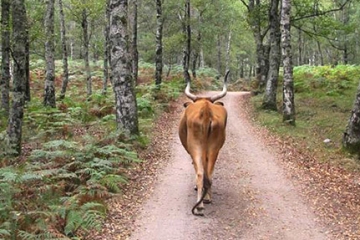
<point x="29" y="177"/>
<point x="112" y="182"/>
<point x="39" y="154"/>
<point x="62" y="144"/>
<point x="6" y="148"/>
<point x="39" y="236"/>
<point x="74" y="220"/>
<point x="7" y="175"/>
<point x="5" y="230"/>
<point x="87" y="216"/>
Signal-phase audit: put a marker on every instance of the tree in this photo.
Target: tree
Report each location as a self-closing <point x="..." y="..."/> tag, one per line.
<point x="5" y="59"/>
<point x="187" y="33"/>
<point x="135" y="52"/>
<point x="269" y="101"/>
<point x="126" y="108"/>
<point x="86" y="40"/>
<point x="49" y="95"/>
<point x="159" y="45"/>
<point x="288" y="88"/>
<point x="106" y="47"/>
<point x="19" y="26"/>
<point x="27" y="67"/>
<point x="65" y="76"/>
<point x="86" y="15"/>
<point x="256" y="21"/>
<point x="228" y="48"/>
<point x="351" y="137"/>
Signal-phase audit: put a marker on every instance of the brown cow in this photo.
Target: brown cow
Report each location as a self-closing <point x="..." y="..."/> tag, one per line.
<point x="202" y="133"/>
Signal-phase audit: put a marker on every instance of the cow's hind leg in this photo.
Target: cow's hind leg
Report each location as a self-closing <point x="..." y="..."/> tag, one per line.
<point x="212" y="156"/>
<point x="199" y="210"/>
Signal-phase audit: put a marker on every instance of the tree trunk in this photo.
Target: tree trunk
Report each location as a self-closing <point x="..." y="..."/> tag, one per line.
<point x="241" y="63"/>
<point x="5" y="60"/>
<point x="187" y="48"/>
<point x="135" y="52"/>
<point x="227" y="57"/>
<point x="265" y="65"/>
<point x="19" y="26"/>
<point x="159" y="46"/>
<point x="254" y="21"/>
<point x="126" y="108"/>
<point x="85" y="27"/>
<point x="269" y="101"/>
<point x="49" y="95"/>
<point x="202" y="59"/>
<point x="218" y="48"/>
<point x="195" y="57"/>
<point x="27" y="96"/>
<point x="65" y="76"/>
<point x="288" y="88"/>
<point x="320" y="54"/>
<point x="351" y="137"/>
<point x="106" y="48"/>
<point x="300" y="48"/>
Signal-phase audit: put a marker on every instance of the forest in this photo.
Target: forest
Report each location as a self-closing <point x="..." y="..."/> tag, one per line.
<point x="83" y="82"/>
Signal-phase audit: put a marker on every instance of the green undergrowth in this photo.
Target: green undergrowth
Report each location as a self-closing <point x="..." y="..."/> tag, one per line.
<point x="74" y="158"/>
<point x="323" y="100"/>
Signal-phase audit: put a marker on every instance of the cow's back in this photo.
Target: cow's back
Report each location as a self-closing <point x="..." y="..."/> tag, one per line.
<point x="203" y="126"/>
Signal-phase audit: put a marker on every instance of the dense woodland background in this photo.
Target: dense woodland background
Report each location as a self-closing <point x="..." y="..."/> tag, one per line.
<point x="83" y="81"/>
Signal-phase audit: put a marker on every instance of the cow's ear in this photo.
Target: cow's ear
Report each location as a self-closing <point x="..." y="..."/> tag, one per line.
<point x="219" y="103"/>
<point x="187" y="104"/>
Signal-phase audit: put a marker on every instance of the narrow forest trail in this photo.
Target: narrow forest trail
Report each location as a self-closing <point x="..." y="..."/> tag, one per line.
<point x="252" y="196"/>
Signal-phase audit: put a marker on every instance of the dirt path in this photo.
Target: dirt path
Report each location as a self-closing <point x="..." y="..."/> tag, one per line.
<point x="252" y="197"/>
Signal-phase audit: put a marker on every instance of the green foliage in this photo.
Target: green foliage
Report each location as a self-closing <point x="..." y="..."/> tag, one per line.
<point x="144" y="104"/>
<point x="324" y="98"/>
<point x="74" y="159"/>
<point x="87" y="173"/>
<point x="331" y="80"/>
<point x="5" y="145"/>
<point x="43" y="122"/>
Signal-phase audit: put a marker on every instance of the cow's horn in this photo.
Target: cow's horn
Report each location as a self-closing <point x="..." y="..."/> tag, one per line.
<point x="188" y="93"/>
<point x="224" y="91"/>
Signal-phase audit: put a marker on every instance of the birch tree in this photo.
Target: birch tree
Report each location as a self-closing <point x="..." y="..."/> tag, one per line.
<point x="126" y="108"/>
<point x="5" y="59"/>
<point x="255" y="20"/>
<point x="106" y="48"/>
<point x="351" y="137"/>
<point x="49" y="94"/>
<point x="19" y="26"/>
<point x="288" y="87"/>
<point x="65" y="75"/>
<point x="135" y="52"/>
<point x="86" y="40"/>
<point x="187" y="48"/>
<point x="159" y="45"/>
<point x="269" y="101"/>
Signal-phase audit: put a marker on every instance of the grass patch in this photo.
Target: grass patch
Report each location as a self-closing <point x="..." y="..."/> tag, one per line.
<point x="323" y="100"/>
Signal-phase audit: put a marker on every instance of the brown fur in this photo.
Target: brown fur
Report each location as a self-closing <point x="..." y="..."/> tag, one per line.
<point x="202" y="133"/>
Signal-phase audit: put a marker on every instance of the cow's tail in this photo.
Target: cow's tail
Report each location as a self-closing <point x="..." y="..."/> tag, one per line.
<point x="206" y="187"/>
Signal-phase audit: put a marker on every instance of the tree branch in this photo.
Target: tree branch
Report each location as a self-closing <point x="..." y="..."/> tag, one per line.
<point x="316" y="35"/>
<point x="320" y="13"/>
<point x="247" y="6"/>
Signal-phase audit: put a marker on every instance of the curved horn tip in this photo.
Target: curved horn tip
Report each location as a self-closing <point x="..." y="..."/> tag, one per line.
<point x="188" y="93"/>
<point x="226" y="75"/>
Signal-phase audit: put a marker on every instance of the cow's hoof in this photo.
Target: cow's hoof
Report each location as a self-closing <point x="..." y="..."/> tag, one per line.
<point x="199" y="211"/>
<point x="207" y="201"/>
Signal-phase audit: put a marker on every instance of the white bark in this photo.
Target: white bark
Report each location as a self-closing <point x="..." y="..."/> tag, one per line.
<point x="288" y="88"/>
